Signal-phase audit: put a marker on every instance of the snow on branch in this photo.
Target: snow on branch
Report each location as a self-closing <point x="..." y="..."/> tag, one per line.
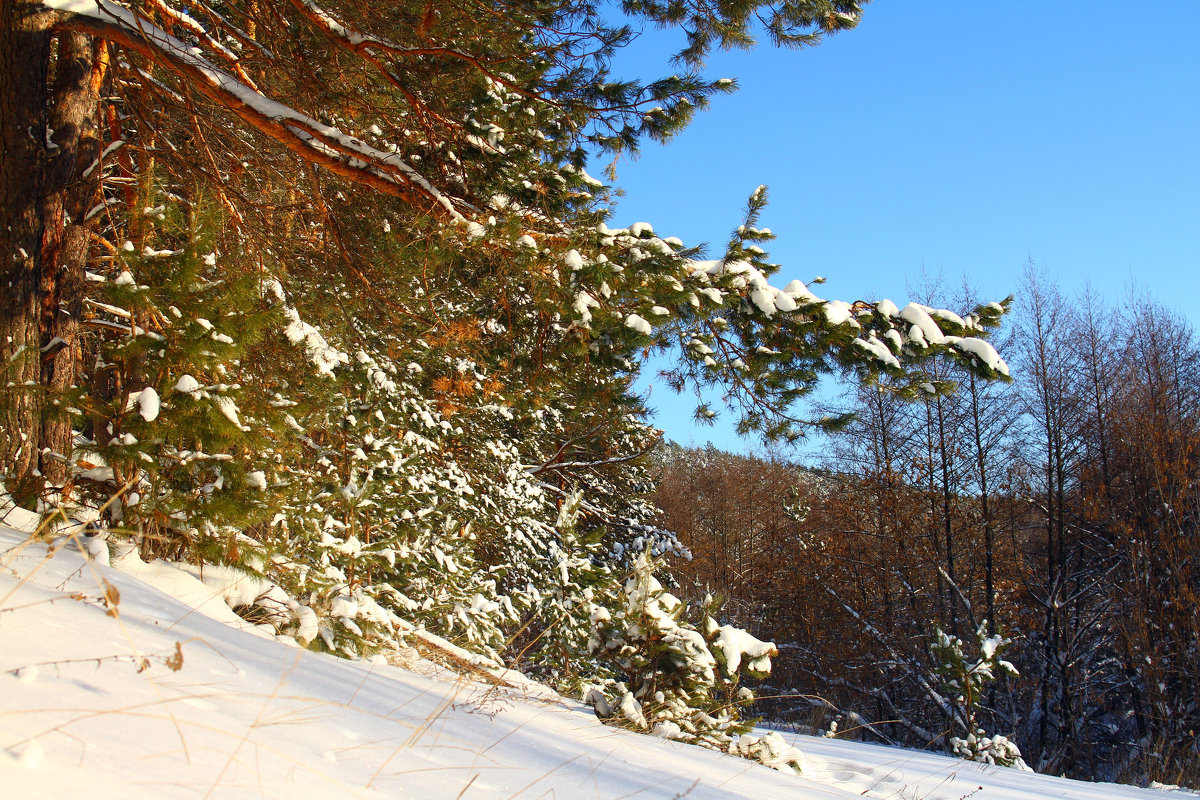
<point x="347" y="36"/>
<point x="321" y="144"/>
<point x="193" y="27"/>
<point x="912" y="329"/>
<point x="914" y="670"/>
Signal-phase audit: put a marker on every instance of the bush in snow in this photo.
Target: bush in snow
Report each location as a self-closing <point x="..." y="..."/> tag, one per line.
<point x="169" y="439"/>
<point x="381" y="519"/>
<point x="677" y="679"/>
<point x="965" y="679"/>
<point x="770" y="749"/>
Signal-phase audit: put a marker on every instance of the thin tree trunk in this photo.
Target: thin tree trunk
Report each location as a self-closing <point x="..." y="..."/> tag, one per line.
<point x="947" y="523"/>
<point x="989" y="580"/>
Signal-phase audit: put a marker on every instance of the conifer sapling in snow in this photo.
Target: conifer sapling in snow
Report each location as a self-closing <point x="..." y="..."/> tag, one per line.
<point x="965" y="679"/>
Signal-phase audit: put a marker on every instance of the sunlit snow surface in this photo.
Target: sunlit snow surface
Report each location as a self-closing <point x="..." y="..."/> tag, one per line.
<point x="248" y="717"/>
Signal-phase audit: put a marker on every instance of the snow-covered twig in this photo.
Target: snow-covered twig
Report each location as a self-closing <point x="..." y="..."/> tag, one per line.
<point x="914" y="670"/>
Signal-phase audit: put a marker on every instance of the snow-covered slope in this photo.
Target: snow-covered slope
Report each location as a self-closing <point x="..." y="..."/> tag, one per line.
<point x="111" y="688"/>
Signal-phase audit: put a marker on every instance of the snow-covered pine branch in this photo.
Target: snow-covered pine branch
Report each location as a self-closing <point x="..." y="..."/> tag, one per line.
<point x="325" y="145"/>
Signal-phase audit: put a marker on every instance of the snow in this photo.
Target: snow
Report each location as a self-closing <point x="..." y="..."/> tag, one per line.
<point x="186" y="588"/>
<point x="573" y="260"/>
<point x="15" y="516"/>
<point x="638" y="324"/>
<point x="736" y="644"/>
<point x="798" y="291"/>
<point x="148" y="404"/>
<point x="765" y="297"/>
<point x="162" y="692"/>
<point x="979" y="349"/>
<point x="918" y="317"/>
<point x="230" y="411"/>
<point x="323" y="356"/>
<point x="583" y="304"/>
<point x="588" y="180"/>
<point x="887" y="308"/>
<point x="838" y="312"/>
<point x="879" y="351"/>
<point x="187" y="384"/>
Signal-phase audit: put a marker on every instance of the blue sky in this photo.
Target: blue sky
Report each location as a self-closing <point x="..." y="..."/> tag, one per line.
<point x="953" y="137"/>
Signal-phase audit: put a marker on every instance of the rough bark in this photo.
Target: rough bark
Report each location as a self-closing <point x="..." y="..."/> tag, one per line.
<point x="24" y="61"/>
<point x="72" y="185"/>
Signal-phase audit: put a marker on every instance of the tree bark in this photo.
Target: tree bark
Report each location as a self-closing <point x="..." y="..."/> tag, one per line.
<point x="24" y="61"/>
<point x="72" y="185"/>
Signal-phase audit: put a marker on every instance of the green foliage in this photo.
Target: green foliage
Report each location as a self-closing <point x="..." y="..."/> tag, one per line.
<point x="795" y="23"/>
<point x="765" y="348"/>
<point x="965" y="679"/>
<point x="169" y="428"/>
<point x="675" y="678"/>
<point x="415" y="409"/>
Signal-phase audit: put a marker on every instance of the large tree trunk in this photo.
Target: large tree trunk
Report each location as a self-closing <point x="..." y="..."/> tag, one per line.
<point x="24" y="61"/>
<point x="49" y="141"/>
<point x="72" y="185"/>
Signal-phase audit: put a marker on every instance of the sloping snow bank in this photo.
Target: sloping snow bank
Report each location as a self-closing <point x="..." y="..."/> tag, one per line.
<point x="110" y="688"/>
<point x="90" y="706"/>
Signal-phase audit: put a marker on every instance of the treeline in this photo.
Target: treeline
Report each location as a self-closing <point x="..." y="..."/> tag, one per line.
<point x="1060" y="511"/>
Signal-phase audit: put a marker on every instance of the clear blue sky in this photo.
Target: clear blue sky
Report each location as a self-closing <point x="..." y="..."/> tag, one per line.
<point x="960" y="137"/>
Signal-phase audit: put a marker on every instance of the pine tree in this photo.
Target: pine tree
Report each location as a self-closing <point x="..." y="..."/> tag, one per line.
<point x="965" y="679"/>
<point x="396" y="387"/>
<point x="679" y="679"/>
<point x="170" y="436"/>
<point x="485" y="114"/>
